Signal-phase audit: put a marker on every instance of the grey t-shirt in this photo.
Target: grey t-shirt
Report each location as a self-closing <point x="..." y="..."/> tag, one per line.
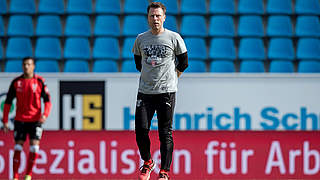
<point x="158" y="73"/>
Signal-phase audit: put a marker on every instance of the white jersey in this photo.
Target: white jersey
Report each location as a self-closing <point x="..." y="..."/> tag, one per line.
<point x="158" y="52"/>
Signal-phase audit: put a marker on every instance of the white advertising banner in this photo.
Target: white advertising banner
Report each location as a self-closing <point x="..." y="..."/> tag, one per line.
<point x="204" y="101"/>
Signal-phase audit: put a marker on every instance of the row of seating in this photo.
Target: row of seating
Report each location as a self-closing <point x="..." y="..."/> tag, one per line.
<point x="105" y="25"/>
<point x="107" y="47"/>
<point x="139" y="7"/>
<point x="216" y="66"/>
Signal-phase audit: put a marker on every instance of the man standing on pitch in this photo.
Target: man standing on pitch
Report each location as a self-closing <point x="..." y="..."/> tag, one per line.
<point x="155" y="52"/>
<point x="28" y="90"/>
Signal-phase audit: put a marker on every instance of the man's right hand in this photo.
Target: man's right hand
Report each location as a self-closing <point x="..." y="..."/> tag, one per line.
<point x="5" y="127"/>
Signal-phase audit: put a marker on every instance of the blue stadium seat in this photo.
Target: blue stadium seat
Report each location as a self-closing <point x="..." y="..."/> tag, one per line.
<point x="308" y="48"/>
<point x="251" y="66"/>
<point x="222" y="7"/>
<point x="20" y="25"/>
<point x="13" y="65"/>
<point x="222" y="66"/>
<point x="1" y="27"/>
<point x="279" y="7"/>
<point x="134" y="25"/>
<point x="1" y="50"/>
<point x="78" y="25"/>
<point x="196" y="66"/>
<point x="310" y="7"/>
<point x="76" y="66"/>
<point x="105" y="65"/>
<point x="18" y="48"/>
<point x="3" y="6"/>
<point x="48" y="48"/>
<point x="222" y="48"/>
<point x="193" y="26"/>
<point x="281" y="48"/>
<point x="197" y="48"/>
<point x="250" y="26"/>
<point x="22" y="6"/>
<point x="107" y="25"/>
<point x="308" y="26"/>
<point x="250" y="7"/>
<point x="49" y="26"/>
<point x="221" y="26"/>
<point x="279" y="26"/>
<point x="127" y="48"/>
<point x="135" y="6"/>
<point x="193" y="7"/>
<point x="129" y="66"/>
<point x="309" y="66"/>
<point x="79" y="7"/>
<point x="44" y="65"/>
<point x="171" y="6"/>
<point x="108" y="7"/>
<point x="251" y="48"/>
<point x="77" y="48"/>
<point x="281" y="66"/>
<point x="171" y="23"/>
<point x="51" y="7"/>
<point x="106" y="48"/>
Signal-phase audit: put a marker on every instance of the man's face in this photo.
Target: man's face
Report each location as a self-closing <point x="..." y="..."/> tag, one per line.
<point x="156" y="18"/>
<point x="28" y="67"/>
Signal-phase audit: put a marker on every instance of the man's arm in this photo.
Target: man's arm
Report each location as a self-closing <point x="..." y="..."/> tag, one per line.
<point x="47" y="103"/>
<point x="182" y="63"/>
<point x="7" y="105"/>
<point x="137" y="60"/>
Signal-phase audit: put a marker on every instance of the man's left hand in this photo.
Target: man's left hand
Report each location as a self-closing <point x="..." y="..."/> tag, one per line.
<point x="43" y="119"/>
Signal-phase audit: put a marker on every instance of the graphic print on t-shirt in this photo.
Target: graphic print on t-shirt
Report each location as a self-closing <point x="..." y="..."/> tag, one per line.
<point x="155" y="54"/>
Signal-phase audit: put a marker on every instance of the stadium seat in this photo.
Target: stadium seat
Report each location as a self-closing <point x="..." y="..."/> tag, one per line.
<point x="78" y="25"/>
<point x="222" y="66"/>
<point x="127" y="48"/>
<point x="3" y="6"/>
<point x="77" y="48"/>
<point x="135" y="6"/>
<point x="193" y="7"/>
<point x="18" y="48"/>
<point x="279" y="26"/>
<point x="106" y="48"/>
<point x="171" y="6"/>
<point x="309" y="66"/>
<point x="51" y="7"/>
<point x="197" y="48"/>
<point x="222" y="48"/>
<point x="108" y="7"/>
<point x="308" y="26"/>
<point x="281" y="48"/>
<point x="193" y="26"/>
<point x="48" y="48"/>
<point x="221" y="26"/>
<point x="250" y="26"/>
<point x="281" y="66"/>
<point x="20" y="25"/>
<point x="195" y="66"/>
<point x="308" y="48"/>
<point x="79" y="7"/>
<point x="23" y="7"/>
<point x="13" y="65"/>
<point x="251" y="66"/>
<point x="49" y="26"/>
<point x="171" y="23"/>
<point x="1" y="50"/>
<point x="105" y="65"/>
<point x="222" y="7"/>
<point x="251" y="48"/>
<point x="310" y="7"/>
<point x="134" y="25"/>
<point x="107" y="25"/>
<point x="250" y="7"/>
<point x="76" y="66"/>
<point x="129" y="66"/>
<point x="47" y="66"/>
<point x="279" y="7"/>
<point x="1" y="27"/>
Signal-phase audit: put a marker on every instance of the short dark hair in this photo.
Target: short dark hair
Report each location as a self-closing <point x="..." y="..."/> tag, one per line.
<point x="26" y="58"/>
<point x="156" y="5"/>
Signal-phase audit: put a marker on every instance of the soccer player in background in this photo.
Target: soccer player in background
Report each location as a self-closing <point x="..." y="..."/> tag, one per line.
<point x="28" y="89"/>
<point x="155" y="52"/>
